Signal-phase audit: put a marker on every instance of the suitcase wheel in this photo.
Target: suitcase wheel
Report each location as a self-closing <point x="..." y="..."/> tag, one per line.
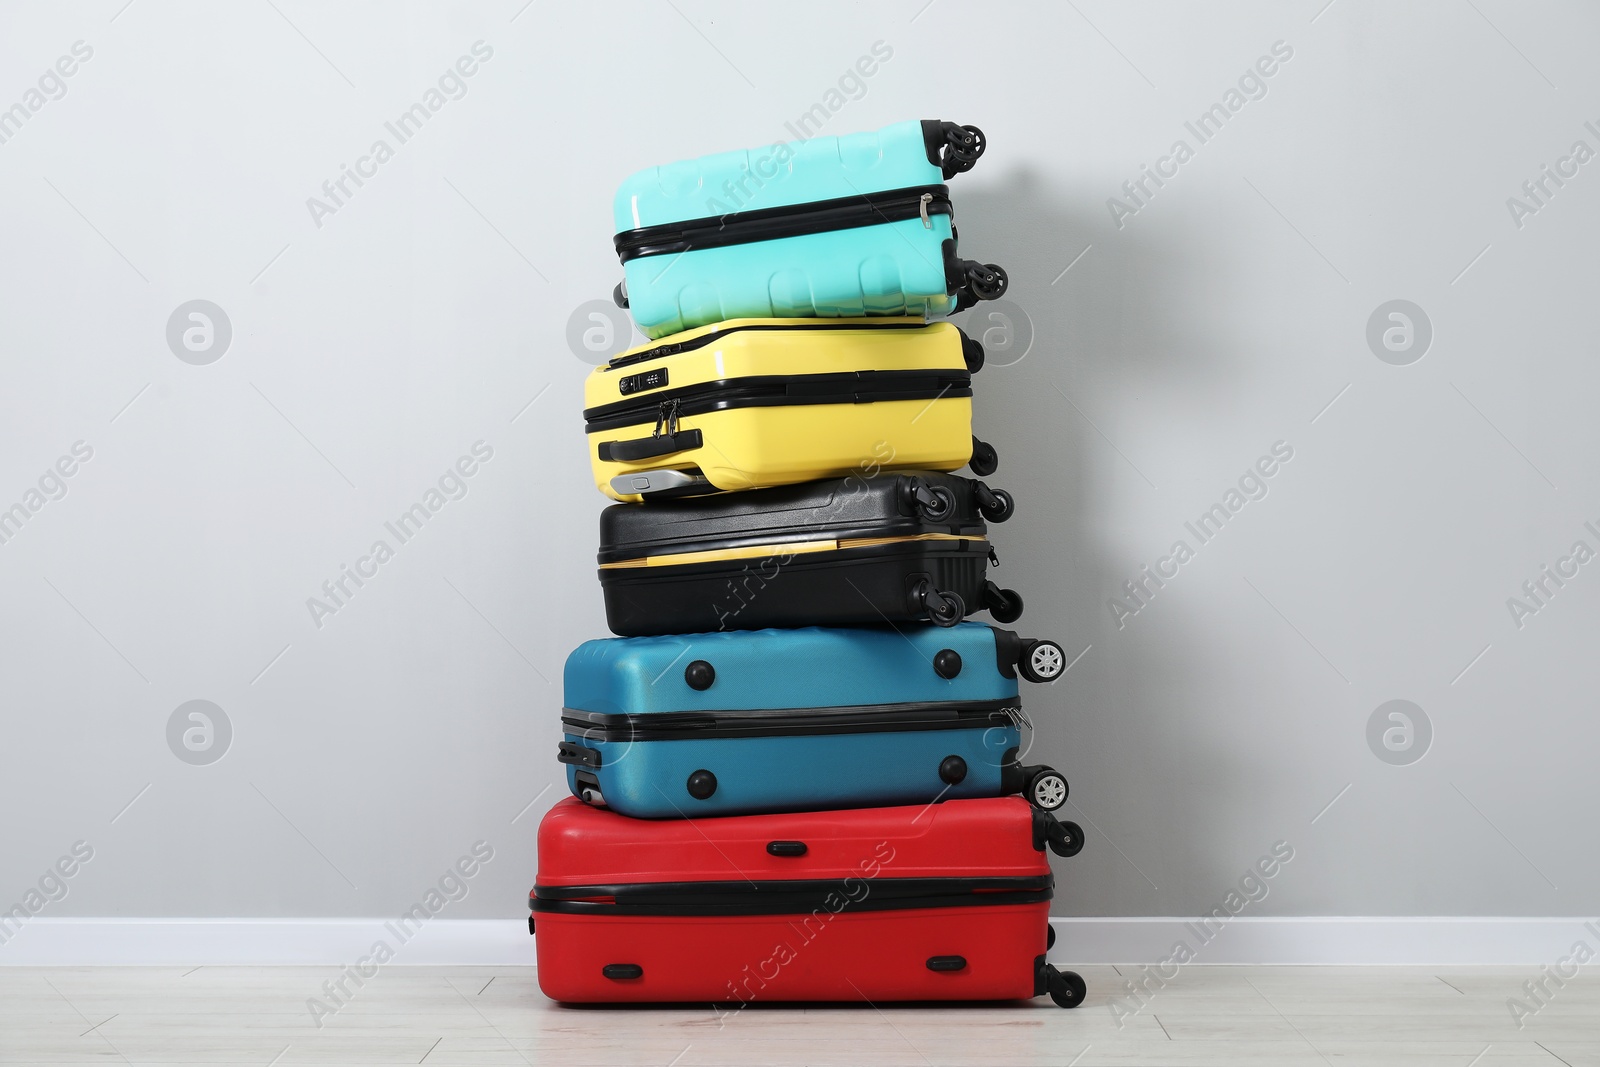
<point x="954" y="148"/>
<point x="699" y="675"/>
<point x="943" y="608"/>
<point x="702" y="784"/>
<point x="987" y="281"/>
<point x="985" y="460"/>
<point x="1006" y="607"/>
<point x="966" y="145"/>
<point x="1066" y="988"/>
<point x="1047" y="789"/>
<point x="952" y="770"/>
<point x="619" y="295"/>
<point x="947" y="663"/>
<point x="995" y="504"/>
<point x="934" y="503"/>
<point x="1041" y="661"/>
<point x="1066" y="840"/>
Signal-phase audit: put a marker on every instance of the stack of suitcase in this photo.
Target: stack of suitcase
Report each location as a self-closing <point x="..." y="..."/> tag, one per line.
<point x="796" y="732"/>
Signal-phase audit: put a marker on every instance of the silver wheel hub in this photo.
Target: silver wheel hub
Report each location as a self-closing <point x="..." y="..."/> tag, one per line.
<point x="1050" y="792"/>
<point x="1046" y="661"/>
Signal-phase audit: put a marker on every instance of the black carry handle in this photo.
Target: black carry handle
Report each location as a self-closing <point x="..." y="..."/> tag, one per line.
<point x="577" y="755"/>
<point x="650" y="447"/>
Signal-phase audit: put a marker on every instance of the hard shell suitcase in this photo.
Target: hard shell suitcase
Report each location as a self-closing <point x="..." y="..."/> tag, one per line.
<point x="830" y="226"/>
<point x="842" y="552"/>
<point x="755" y="403"/>
<point x="938" y="902"/>
<point x="754" y="721"/>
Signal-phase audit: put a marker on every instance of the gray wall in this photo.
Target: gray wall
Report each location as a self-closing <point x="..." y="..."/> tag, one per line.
<point x="373" y="346"/>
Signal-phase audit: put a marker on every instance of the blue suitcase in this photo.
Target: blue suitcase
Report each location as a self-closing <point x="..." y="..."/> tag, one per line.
<point x="831" y="226"/>
<point x="753" y="721"/>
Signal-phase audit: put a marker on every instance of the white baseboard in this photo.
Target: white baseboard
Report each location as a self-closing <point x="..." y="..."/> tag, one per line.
<point x="1344" y="940"/>
<point x="1326" y="940"/>
<point x="264" y="942"/>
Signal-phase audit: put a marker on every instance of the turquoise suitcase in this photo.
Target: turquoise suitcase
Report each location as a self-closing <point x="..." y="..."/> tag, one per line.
<point x="812" y="719"/>
<point x="834" y="227"/>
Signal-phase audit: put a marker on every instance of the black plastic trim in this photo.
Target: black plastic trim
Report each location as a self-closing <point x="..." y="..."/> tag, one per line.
<point x="782" y="390"/>
<point x="978" y="547"/>
<point x="577" y="755"/>
<point x="789" y="896"/>
<point x="677" y="348"/>
<point x="786" y="722"/>
<point x="947" y="963"/>
<point x="789" y="220"/>
<point x="1012" y="780"/>
<point x="1007" y="651"/>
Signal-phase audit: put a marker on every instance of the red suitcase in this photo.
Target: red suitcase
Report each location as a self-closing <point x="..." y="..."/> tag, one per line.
<point x="936" y="902"/>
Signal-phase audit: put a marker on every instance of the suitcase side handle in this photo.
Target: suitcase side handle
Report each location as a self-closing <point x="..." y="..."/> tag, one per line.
<point x="650" y="447"/>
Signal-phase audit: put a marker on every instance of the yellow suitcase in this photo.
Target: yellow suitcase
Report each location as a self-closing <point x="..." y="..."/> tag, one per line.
<point x="752" y="403"/>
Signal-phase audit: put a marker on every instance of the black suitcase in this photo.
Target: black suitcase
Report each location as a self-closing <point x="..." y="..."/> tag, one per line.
<point x="840" y="552"/>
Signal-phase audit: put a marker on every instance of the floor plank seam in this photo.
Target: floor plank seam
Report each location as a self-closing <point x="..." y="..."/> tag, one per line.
<point x="1541" y="1044"/>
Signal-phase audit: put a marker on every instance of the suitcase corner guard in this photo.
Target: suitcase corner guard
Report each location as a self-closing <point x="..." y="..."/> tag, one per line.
<point x="577" y="755"/>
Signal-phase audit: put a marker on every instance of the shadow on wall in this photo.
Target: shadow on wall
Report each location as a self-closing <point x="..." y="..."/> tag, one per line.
<point x="1075" y="344"/>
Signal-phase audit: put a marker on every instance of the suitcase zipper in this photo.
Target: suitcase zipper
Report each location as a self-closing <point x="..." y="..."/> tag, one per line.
<point x="792" y="548"/>
<point x="781" y="390"/>
<point x="721" y="330"/>
<point x="791" y="220"/>
<point x="785" y="897"/>
<point x="789" y="722"/>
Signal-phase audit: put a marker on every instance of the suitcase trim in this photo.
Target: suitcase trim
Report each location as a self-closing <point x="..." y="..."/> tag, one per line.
<point x="788" y="220"/>
<point x="705" y="335"/>
<point x="781" y="390"/>
<point x="789" y="897"/>
<point x="910" y="717"/>
<point x="839" y="544"/>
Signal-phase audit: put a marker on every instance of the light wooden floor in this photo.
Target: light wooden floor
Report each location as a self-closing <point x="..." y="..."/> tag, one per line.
<point x="1233" y="1016"/>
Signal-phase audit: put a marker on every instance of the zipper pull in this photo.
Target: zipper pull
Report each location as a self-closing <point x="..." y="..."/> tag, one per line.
<point x="1019" y="717"/>
<point x="666" y="416"/>
<point x="927" y="198"/>
<point x="994" y="557"/>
